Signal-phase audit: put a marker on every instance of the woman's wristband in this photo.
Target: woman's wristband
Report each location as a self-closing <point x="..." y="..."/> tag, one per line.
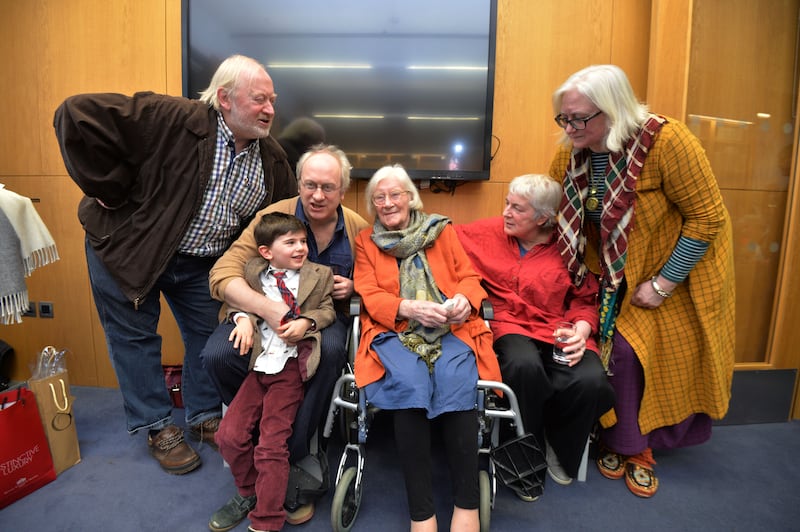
<point x="658" y="289"/>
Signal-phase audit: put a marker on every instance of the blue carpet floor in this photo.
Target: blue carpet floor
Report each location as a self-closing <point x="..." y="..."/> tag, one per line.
<point x="746" y="478"/>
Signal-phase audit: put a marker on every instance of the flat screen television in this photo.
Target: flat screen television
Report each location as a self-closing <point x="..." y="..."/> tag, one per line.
<point x="389" y="81"/>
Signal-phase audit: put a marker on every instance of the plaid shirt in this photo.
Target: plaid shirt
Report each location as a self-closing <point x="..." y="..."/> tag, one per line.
<point x="686" y="345"/>
<point x="234" y="192"/>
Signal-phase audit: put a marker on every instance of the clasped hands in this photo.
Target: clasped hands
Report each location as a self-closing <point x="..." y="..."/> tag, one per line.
<point x="431" y="314"/>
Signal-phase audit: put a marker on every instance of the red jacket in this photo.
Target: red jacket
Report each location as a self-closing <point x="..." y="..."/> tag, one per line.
<point x="528" y="294"/>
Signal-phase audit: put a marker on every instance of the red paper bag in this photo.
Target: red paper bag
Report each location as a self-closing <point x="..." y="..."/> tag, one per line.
<point x="172" y="376"/>
<point x="25" y="461"/>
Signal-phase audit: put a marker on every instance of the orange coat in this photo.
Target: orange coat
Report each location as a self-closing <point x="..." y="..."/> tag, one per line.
<point x="377" y="281"/>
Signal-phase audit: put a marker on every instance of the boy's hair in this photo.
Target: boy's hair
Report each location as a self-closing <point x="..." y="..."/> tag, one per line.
<point x="275" y="224"/>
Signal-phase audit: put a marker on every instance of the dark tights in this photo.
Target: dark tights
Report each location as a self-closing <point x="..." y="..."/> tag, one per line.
<point x="412" y="431"/>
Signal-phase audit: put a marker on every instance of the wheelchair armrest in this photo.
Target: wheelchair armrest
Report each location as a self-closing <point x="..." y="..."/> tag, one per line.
<point x="487" y="311"/>
<point x="355" y="305"/>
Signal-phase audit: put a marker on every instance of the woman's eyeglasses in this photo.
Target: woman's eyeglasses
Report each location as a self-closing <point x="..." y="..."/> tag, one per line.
<point x="394" y="196"/>
<point x="576" y="123"/>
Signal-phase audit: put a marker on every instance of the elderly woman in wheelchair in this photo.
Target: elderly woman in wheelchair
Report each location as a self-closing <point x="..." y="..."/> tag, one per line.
<point x="423" y="342"/>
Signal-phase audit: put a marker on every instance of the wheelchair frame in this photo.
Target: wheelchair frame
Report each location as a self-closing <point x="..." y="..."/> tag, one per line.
<point x="519" y="463"/>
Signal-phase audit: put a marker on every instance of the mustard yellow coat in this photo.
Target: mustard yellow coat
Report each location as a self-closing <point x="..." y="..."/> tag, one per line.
<point x="686" y="345"/>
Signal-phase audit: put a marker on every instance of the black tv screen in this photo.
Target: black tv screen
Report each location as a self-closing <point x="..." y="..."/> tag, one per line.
<point x="389" y="81"/>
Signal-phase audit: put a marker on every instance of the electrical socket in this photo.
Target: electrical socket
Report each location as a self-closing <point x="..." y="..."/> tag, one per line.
<point x="31" y="312"/>
<point x="45" y="309"/>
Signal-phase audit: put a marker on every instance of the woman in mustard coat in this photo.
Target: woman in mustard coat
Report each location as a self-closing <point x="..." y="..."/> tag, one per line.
<point x="642" y="208"/>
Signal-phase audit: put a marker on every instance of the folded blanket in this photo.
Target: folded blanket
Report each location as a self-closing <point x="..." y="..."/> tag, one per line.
<point x="25" y="244"/>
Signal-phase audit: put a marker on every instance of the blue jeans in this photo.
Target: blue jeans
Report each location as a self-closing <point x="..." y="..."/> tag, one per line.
<point x="134" y="344"/>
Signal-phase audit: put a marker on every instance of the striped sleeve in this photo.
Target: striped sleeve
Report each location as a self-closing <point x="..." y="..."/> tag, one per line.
<point x="686" y="254"/>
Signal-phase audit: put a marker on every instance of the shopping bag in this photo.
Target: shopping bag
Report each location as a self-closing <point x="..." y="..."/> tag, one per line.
<point x="25" y="462"/>
<point x="55" y="408"/>
<point x="172" y="376"/>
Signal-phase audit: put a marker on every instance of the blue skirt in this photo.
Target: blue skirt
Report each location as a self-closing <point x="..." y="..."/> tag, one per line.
<point x="452" y="387"/>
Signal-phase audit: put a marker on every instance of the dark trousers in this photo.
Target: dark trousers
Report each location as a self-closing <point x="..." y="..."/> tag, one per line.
<point x="228" y="369"/>
<point x="560" y="401"/>
<point x="268" y="402"/>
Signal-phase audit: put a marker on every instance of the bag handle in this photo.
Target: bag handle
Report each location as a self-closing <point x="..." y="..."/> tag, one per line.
<point x="19" y="398"/>
<point x="63" y="393"/>
<point x="61" y="411"/>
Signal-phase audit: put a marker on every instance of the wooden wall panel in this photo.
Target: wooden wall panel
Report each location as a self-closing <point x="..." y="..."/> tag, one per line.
<point x="757" y="227"/>
<point x="95" y="46"/>
<point x="630" y="48"/>
<point x="539" y="44"/>
<point x="668" y="70"/>
<point x="20" y="54"/>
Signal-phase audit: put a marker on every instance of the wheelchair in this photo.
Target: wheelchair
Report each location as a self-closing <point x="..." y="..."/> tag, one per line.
<point x="519" y="462"/>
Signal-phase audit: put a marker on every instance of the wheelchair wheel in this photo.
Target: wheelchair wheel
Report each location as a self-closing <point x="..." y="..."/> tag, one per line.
<point x="346" y="501"/>
<point x="485" y="506"/>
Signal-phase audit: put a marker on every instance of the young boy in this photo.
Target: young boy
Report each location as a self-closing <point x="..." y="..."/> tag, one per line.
<point x="280" y="361"/>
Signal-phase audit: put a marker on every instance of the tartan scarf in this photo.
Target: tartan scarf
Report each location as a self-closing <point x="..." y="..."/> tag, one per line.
<point x="618" y="205"/>
<point x="616" y="220"/>
<point x="416" y="280"/>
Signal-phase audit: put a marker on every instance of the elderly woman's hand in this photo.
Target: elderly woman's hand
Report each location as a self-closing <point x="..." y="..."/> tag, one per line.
<point x="427" y="313"/>
<point x="576" y="345"/>
<point x="458" y="309"/>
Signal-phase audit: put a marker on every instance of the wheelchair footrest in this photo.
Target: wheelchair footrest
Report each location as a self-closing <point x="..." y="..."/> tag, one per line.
<point x="520" y="464"/>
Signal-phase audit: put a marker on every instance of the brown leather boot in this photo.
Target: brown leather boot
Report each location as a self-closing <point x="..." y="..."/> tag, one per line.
<point x="205" y="431"/>
<point x="172" y="452"/>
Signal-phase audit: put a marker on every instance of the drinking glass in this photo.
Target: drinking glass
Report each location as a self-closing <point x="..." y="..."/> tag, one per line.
<point x="563" y="331"/>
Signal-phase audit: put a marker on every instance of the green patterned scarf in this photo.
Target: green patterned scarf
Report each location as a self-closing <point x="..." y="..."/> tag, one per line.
<point x="416" y="280"/>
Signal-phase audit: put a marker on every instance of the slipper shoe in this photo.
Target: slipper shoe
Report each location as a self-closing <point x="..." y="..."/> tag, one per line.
<point x="611" y="464"/>
<point x="641" y="480"/>
<point x="300" y="515"/>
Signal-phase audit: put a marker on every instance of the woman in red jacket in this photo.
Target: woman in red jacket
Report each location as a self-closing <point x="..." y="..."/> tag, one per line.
<point x="531" y="291"/>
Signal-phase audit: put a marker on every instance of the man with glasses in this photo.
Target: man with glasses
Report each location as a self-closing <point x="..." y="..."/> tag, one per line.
<point x="323" y="178"/>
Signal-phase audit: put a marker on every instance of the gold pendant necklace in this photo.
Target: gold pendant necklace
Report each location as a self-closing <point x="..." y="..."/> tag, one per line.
<point x="592" y="203"/>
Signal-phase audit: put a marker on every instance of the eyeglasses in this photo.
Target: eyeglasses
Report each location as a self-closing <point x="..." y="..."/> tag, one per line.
<point x="576" y="123"/>
<point x="327" y="188"/>
<point x="394" y="196"/>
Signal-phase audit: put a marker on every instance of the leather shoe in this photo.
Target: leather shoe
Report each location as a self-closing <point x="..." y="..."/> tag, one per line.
<point x="172" y="452"/>
<point x="204" y="432"/>
<point x="232" y="513"/>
